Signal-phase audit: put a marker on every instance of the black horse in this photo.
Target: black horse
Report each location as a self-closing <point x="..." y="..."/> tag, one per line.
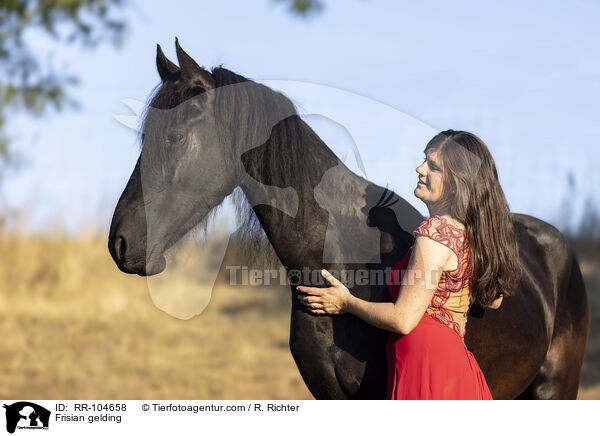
<point x="207" y="133"/>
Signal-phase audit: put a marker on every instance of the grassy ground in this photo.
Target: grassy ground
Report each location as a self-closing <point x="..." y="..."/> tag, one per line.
<point x="73" y="326"/>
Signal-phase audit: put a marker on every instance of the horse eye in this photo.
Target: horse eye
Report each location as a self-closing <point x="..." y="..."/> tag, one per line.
<point x="174" y="138"/>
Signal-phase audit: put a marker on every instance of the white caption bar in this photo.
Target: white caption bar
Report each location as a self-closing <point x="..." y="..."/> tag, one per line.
<point x="159" y="417"/>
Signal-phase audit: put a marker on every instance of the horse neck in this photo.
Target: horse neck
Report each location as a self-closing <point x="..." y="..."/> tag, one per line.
<point x="294" y="204"/>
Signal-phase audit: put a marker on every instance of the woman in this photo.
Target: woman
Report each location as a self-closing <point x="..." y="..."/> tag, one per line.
<point x="464" y="252"/>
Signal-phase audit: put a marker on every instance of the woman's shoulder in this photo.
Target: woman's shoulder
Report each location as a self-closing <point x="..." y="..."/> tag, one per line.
<point x="430" y="228"/>
<point x="439" y="229"/>
<point x="431" y="222"/>
<point x="439" y="223"/>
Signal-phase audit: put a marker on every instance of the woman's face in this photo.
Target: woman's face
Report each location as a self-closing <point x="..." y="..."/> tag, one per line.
<point x="431" y="181"/>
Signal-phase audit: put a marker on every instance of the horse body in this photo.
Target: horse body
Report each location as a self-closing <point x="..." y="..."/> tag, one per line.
<point x="531" y="347"/>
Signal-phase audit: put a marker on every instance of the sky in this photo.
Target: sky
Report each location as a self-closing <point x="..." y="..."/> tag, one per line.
<point x="381" y="77"/>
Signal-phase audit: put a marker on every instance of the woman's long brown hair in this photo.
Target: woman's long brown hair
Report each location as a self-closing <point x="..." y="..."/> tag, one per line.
<point x="479" y="203"/>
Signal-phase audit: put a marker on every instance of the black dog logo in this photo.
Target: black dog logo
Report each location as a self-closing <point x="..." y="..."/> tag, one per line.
<point x="24" y="414"/>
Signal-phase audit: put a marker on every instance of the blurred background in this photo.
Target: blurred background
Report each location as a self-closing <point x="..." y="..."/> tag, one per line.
<point x="525" y="78"/>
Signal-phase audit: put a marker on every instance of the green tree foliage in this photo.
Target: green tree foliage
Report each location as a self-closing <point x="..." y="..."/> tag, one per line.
<point x="303" y="8"/>
<point x="26" y="82"/>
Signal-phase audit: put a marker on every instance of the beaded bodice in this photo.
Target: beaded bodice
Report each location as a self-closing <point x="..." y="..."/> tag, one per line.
<point x="452" y="298"/>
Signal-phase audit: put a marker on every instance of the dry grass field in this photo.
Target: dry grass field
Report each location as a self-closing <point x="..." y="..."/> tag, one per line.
<point x="73" y="326"/>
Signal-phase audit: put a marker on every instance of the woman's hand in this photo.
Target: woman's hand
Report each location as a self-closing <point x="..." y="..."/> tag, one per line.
<point x="326" y="301"/>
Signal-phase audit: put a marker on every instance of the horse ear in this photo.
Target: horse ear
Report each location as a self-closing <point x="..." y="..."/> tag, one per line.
<point x="191" y="71"/>
<point x="166" y="68"/>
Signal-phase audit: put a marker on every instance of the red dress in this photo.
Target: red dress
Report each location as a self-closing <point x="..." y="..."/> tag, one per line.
<point x="432" y="362"/>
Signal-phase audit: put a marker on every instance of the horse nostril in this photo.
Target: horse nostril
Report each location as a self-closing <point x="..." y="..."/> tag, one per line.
<point x="120" y="247"/>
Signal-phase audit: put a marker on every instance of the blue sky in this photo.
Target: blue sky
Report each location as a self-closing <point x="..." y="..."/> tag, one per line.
<point x="524" y="77"/>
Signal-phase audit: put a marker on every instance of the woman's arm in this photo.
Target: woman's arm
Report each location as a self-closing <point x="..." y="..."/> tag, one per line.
<point x="418" y="285"/>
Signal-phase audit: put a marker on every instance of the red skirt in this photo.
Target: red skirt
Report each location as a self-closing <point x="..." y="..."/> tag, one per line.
<point x="433" y="363"/>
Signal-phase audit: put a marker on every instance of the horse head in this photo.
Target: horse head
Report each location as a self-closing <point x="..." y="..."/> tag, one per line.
<point x="183" y="147"/>
<point x="203" y="134"/>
